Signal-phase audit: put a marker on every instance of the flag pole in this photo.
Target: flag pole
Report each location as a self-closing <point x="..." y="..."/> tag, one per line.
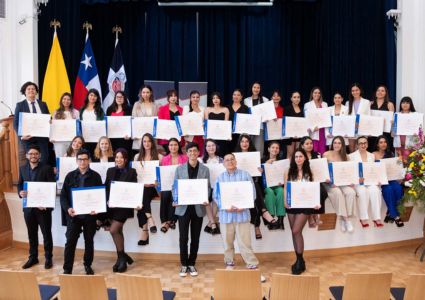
<point x="87" y="26"/>
<point x="55" y="23"/>
<point x="117" y="30"/>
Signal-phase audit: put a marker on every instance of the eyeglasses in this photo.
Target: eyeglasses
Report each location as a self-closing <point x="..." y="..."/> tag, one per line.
<point x="82" y="159"/>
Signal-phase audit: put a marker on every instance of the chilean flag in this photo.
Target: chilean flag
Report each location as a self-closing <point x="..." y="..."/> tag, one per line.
<point x="87" y="77"/>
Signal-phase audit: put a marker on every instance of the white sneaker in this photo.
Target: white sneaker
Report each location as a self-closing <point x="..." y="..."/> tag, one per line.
<point x="349" y="226"/>
<point x="230" y="266"/>
<point x="192" y="271"/>
<point x="183" y="271"/>
<point x="262" y="278"/>
<point x="343" y="225"/>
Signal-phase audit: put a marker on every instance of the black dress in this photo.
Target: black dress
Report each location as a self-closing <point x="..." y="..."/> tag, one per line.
<point x="306" y="211"/>
<point x="242" y="110"/>
<point x="223" y="146"/>
<point x="372" y="140"/>
<point x="121" y="142"/>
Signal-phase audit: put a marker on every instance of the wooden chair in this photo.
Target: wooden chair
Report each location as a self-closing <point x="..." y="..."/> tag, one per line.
<point x="364" y="286"/>
<point x="292" y="287"/>
<point x="134" y="287"/>
<point x="85" y="287"/>
<point x="237" y="285"/>
<point x="414" y="289"/>
<point x="17" y="285"/>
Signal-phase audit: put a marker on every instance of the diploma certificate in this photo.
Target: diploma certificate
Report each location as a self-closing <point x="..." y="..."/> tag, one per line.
<point x="190" y="124"/>
<point x="318" y="117"/>
<point x="146" y="171"/>
<point x="215" y="171"/>
<point x="374" y="173"/>
<point x="408" y="124"/>
<point x="303" y="194"/>
<point x="63" y="130"/>
<point x="118" y="126"/>
<point x="265" y="110"/>
<point x="101" y="168"/>
<point x="165" y="129"/>
<point x="344" y="172"/>
<point x="294" y="127"/>
<point x="64" y="166"/>
<point x="388" y="118"/>
<point x="273" y="130"/>
<point x="218" y="130"/>
<point x="370" y="125"/>
<point x="142" y="125"/>
<point x="126" y="194"/>
<point x="165" y="177"/>
<point x="246" y="123"/>
<point x="394" y="168"/>
<point x="192" y="191"/>
<point x="237" y="194"/>
<point x="249" y="162"/>
<point x="274" y="173"/>
<point x="93" y="130"/>
<point x="40" y="194"/>
<point x="89" y="199"/>
<point x="344" y="126"/>
<point x="35" y="125"/>
<point x="319" y="168"/>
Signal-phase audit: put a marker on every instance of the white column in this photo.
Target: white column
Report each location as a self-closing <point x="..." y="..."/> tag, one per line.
<point x="411" y="52"/>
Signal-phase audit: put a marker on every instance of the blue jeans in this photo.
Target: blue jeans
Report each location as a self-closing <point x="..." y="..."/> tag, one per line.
<point x="392" y="193"/>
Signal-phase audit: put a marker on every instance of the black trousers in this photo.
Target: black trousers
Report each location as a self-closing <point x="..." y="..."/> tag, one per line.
<point x="192" y="221"/>
<point x="75" y="226"/>
<point x="34" y="218"/>
<point x="148" y="194"/>
<point x="259" y="205"/>
<point x="166" y="209"/>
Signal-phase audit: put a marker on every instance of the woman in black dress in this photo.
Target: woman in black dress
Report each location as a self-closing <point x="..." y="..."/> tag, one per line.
<point x="239" y="107"/>
<point x="293" y="110"/>
<point x="118" y="216"/>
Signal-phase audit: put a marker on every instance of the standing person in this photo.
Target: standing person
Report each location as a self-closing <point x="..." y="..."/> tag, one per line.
<point x="103" y="151"/>
<point x="338" y="109"/>
<point x="237" y="107"/>
<point x="66" y="111"/>
<point x="121" y="172"/>
<point x="255" y="99"/>
<point x="277" y="98"/>
<point x="299" y="171"/>
<point x="190" y="216"/>
<point x="293" y="110"/>
<point x="403" y="142"/>
<point x="235" y="221"/>
<point x="32" y="105"/>
<point x="36" y="217"/>
<point x="120" y="108"/>
<point x="194" y="107"/>
<point x="83" y="176"/>
<point x="317" y="134"/>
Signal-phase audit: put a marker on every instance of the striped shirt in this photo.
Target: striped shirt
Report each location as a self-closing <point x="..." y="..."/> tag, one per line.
<point x="232" y="217"/>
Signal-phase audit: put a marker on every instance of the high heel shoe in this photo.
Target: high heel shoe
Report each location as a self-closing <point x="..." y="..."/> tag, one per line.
<point x="258" y="235"/>
<point x="364" y="225"/>
<point x="152" y="228"/>
<point x="378" y="223"/>
<point x="388" y="219"/>
<point x="128" y="258"/>
<point x="144" y="242"/>
<point x="398" y="222"/>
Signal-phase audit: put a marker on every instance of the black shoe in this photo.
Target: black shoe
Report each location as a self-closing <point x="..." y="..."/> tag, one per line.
<point x="115" y="266"/>
<point x="122" y="262"/>
<point x="281" y="223"/>
<point x="173" y="225"/>
<point x="89" y="270"/>
<point x="398" y="222"/>
<point x="388" y="219"/>
<point x="143" y="242"/>
<point x="208" y="229"/>
<point x="48" y="264"/>
<point x="298" y="267"/>
<point x="31" y="262"/>
<point x="216" y="230"/>
<point x="67" y="272"/>
<point x="128" y="258"/>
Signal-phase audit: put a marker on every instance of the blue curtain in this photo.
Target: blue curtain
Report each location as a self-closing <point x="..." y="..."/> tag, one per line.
<point x="291" y="46"/>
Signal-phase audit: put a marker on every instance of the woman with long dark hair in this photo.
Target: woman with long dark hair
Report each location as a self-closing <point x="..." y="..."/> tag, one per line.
<point x="170" y="111"/>
<point x="317" y="134"/>
<point x="92" y="111"/>
<point x="76" y="144"/>
<point x="293" y="110"/>
<point x="403" y="142"/>
<point x="120" y="108"/>
<point x="194" y="107"/>
<point x="216" y="111"/>
<point x="237" y="107"/>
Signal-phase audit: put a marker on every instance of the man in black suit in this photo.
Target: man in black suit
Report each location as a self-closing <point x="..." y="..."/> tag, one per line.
<point x="83" y="176"/>
<point x="35" y="106"/>
<point x="34" y="217"/>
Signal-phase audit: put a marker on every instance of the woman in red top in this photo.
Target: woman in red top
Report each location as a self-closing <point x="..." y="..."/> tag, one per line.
<point x="276" y="98"/>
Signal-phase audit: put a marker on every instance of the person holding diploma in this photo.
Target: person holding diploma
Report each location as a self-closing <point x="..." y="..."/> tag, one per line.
<point x="237" y="107"/>
<point x="194" y="107"/>
<point x="393" y="191"/>
<point x="76" y="144"/>
<point x="299" y="170"/>
<point x="148" y="152"/>
<point x="32" y="105"/>
<point x="369" y="193"/>
<point x="218" y="112"/>
<point x="83" y="176"/>
<point x="293" y="110"/>
<point x="103" y="151"/>
<point x="338" y="109"/>
<point x="317" y="134"/>
<point x="36" y="217"/>
<point x="166" y="208"/>
<point x="403" y="142"/>
<point x="190" y="216"/>
<point x="121" y="172"/>
<point x="343" y="196"/>
<point x="120" y="108"/>
<point x="277" y="98"/>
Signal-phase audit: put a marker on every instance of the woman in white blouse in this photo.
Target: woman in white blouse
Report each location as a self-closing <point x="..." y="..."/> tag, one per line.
<point x="338" y="109"/>
<point x="194" y="107"/>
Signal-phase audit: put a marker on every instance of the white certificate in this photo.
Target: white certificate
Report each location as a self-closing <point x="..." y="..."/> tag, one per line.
<point x="344" y="173"/>
<point x="190" y="124"/>
<point x="318" y="117"/>
<point x="394" y="168"/>
<point x="273" y="174"/>
<point x="303" y="194"/>
<point x="192" y="191"/>
<point x="126" y="194"/>
<point x="319" y="168"/>
<point x="40" y="194"/>
<point x="93" y="130"/>
<point x="64" y="166"/>
<point x="215" y="171"/>
<point x="273" y="130"/>
<point x="237" y="194"/>
<point x="101" y="168"/>
<point x="165" y="177"/>
<point x="63" y="130"/>
<point x="294" y="127"/>
<point x="370" y="125"/>
<point x="247" y="123"/>
<point x="118" y="126"/>
<point x="265" y="110"/>
<point x="343" y="126"/>
<point x="408" y="124"/>
<point x="89" y="199"/>
<point x="146" y="171"/>
<point x="388" y="118"/>
<point x="249" y="162"/>
<point x="165" y="129"/>
<point x="374" y="173"/>
<point x="142" y="125"/>
<point x="218" y="130"/>
<point x="36" y="125"/>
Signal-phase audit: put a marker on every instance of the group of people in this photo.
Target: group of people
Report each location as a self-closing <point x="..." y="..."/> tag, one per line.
<point x="269" y="202"/>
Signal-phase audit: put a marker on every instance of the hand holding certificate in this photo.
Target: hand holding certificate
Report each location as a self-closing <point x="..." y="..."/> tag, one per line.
<point x="126" y="194"/>
<point x="320" y="170"/>
<point x="318" y="117"/>
<point x="101" y="168"/>
<point x="165" y="177"/>
<point x="249" y="162"/>
<point x="40" y="194"/>
<point x="344" y="173"/>
<point x="246" y="123"/>
<point x="265" y="110"/>
<point x="394" y="168"/>
<point x="274" y="173"/>
<point x="118" y="127"/>
<point x="63" y="130"/>
<point x="192" y="191"/>
<point x="34" y="125"/>
<point x="370" y="125"/>
<point x="142" y="125"/>
<point x="408" y="124"/>
<point x="344" y="126"/>
<point x="374" y="173"/>
<point x="93" y="130"/>
<point x="293" y="127"/>
<point x="89" y="200"/>
<point x="146" y="171"/>
<point x="237" y="194"/>
<point x="165" y="129"/>
<point x="273" y="130"/>
<point x="303" y="194"/>
<point x="218" y="130"/>
<point x="190" y="124"/>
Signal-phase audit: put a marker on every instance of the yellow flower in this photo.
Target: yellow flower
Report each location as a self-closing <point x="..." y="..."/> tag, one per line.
<point x="412" y="164"/>
<point x="412" y="154"/>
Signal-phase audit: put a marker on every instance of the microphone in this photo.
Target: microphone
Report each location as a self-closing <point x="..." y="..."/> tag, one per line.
<point x="8" y="107"/>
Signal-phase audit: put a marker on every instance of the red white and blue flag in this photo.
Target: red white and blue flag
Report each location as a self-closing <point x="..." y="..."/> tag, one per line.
<point x="87" y="77"/>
